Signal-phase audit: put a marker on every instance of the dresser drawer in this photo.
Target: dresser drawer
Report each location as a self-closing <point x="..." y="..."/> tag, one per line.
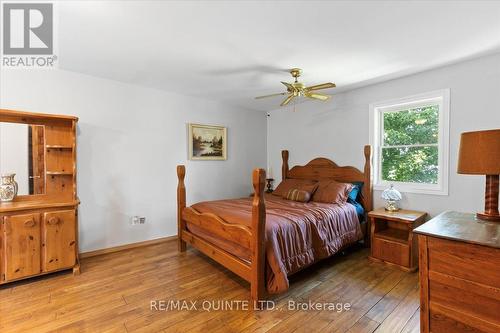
<point x="391" y="251"/>
<point x="466" y="261"/>
<point x="446" y="320"/>
<point x="465" y="297"/>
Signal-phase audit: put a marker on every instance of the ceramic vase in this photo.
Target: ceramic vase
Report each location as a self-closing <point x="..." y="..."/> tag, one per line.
<point x="8" y="187"/>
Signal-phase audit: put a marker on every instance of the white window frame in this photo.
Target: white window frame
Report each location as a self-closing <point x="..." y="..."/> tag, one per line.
<point x="440" y="97"/>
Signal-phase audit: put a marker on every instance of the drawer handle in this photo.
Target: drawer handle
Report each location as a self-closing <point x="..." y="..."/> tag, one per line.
<point x="53" y="220"/>
<point x="29" y="223"/>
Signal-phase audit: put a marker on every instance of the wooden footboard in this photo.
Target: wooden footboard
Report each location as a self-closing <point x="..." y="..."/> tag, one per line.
<point x="252" y="238"/>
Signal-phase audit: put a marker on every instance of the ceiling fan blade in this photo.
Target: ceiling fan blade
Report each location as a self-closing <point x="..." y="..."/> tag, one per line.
<point x="321" y="86"/>
<point x="287" y="100"/>
<point x="272" y="95"/>
<point x="321" y="97"/>
<point x="288" y="86"/>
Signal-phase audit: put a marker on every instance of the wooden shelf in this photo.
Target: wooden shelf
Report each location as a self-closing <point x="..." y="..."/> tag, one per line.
<point x="59" y="173"/>
<point x="393" y="234"/>
<point x="35" y="202"/>
<point x="58" y="147"/>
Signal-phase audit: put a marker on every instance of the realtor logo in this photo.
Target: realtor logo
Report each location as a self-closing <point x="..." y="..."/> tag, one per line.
<point x="28" y="35"/>
<point x="28" y="28"/>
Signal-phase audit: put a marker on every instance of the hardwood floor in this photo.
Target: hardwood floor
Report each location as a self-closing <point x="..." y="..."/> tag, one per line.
<point x="114" y="294"/>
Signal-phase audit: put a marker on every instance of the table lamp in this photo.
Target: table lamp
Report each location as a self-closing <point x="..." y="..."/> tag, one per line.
<point x="480" y="155"/>
<point x="269" y="180"/>
<point x="391" y="196"/>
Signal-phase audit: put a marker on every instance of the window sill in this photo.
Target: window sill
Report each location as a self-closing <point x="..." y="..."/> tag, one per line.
<point x="408" y="188"/>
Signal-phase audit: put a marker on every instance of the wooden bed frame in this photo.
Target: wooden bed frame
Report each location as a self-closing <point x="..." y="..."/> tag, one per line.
<point x="254" y="237"/>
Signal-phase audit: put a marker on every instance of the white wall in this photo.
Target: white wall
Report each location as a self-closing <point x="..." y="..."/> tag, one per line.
<point x="14" y="154"/>
<point x="130" y="140"/>
<point x="339" y="129"/>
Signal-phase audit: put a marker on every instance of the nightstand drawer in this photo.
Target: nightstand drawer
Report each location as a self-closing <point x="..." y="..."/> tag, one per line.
<point x="391" y="251"/>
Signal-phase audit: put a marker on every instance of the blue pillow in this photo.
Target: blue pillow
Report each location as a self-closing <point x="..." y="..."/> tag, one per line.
<point x="352" y="198"/>
<point x="359" y="208"/>
<point x="353" y="195"/>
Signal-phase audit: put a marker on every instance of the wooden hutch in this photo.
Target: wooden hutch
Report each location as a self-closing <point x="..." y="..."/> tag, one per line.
<point x="39" y="230"/>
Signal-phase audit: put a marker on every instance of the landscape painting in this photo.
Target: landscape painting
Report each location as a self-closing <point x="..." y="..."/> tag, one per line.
<point x="207" y="142"/>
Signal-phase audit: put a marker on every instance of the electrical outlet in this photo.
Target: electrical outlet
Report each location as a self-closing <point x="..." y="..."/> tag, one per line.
<point x="136" y="220"/>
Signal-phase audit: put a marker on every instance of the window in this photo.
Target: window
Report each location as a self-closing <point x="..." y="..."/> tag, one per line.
<point x="410" y="139"/>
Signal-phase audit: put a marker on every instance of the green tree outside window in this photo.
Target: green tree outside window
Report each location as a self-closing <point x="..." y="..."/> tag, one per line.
<point x="410" y="145"/>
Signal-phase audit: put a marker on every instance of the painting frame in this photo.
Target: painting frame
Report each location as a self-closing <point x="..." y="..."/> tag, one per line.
<point x="216" y="132"/>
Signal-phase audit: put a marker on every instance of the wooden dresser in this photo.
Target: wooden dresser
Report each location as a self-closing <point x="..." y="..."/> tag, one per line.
<point x="39" y="229"/>
<point x="459" y="260"/>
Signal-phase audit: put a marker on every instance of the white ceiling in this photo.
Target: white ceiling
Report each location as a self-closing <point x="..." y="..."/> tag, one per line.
<point x="231" y="51"/>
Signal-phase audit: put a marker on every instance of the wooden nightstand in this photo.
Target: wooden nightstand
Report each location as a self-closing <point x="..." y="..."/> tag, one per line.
<point x="392" y="238"/>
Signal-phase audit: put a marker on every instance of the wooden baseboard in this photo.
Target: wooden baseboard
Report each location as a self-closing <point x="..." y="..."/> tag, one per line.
<point x="119" y="248"/>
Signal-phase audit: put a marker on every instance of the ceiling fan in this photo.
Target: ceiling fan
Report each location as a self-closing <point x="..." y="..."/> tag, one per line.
<point x="297" y="89"/>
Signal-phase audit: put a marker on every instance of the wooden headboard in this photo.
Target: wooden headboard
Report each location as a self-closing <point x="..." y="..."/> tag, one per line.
<point x="323" y="168"/>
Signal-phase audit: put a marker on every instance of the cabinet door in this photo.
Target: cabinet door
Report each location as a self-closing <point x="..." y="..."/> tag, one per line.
<point x="21" y="246"/>
<point x="59" y="240"/>
<point x="2" y="251"/>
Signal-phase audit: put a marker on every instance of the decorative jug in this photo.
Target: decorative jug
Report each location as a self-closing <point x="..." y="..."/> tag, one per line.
<point x="8" y="187"/>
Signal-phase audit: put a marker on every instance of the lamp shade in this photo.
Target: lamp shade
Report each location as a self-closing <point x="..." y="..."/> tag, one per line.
<point x="479" y="153"/>
<point x="391" y="194"/>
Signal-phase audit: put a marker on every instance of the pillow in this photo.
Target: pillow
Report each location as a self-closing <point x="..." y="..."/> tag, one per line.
<point x="300" y="184"/>
<point x="311" y="188"/>
<point x="359" y="209"/>
<point x="330" y="191"/>
<point x="295" y="194"/>
<point x="356" y="188"/>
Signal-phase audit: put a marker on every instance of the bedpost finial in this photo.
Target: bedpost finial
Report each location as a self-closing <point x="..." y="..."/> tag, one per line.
<point x="259" y="179"/>
<point x="284" y="154"/>
<point x="284" y="166"/>
<point x="181" y="172"/>
<point x="368" y="151"/>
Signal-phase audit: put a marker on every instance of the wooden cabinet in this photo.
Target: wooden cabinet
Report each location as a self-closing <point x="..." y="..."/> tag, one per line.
<point x="21" y="245"/>
<point x="39" y="232"/>
<point x="459" y="274"/>
<point x="58" y="240"/>
<point x="38" y="242"/>
<point x="392" y="238"/>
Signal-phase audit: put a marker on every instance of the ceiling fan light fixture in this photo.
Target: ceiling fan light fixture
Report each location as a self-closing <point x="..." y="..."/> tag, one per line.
<point x="299" y="89"/>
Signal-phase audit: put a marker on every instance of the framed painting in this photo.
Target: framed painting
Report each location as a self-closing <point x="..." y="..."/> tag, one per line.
<point x="207" y="142"/>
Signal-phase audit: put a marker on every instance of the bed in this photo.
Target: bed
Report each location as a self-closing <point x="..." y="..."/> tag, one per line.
<point x="266" y="238"/>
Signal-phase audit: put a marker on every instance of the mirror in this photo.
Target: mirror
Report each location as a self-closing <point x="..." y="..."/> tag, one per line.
<point x="22" y="151"/>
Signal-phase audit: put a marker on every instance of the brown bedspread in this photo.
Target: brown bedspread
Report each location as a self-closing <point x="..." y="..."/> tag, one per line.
<point x="297" y="234"/>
